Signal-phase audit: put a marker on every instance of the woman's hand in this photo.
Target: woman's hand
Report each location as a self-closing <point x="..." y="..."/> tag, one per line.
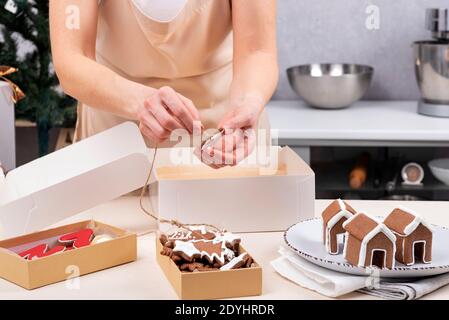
<point x="239" y="137"/>
<point x="255" y="76"/>
<point x="166" y="111"/>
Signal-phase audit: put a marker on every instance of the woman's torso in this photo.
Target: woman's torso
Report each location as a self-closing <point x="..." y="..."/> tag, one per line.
<point x="191" y="53"/>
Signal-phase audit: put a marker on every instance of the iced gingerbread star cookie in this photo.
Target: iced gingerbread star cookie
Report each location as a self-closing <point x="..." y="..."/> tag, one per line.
<point x="237" y="263"/>
<point x="200" y="249"/>
<point x="210" y="250"/>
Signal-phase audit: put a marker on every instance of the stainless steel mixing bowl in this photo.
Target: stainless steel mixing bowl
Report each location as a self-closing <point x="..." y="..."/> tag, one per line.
<point x="330" y="86"/>
<point x="432" y="70"/>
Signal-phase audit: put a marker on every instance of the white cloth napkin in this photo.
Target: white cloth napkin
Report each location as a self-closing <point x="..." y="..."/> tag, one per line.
<point x="408" y="290"/>
<point x="324" y="281"/>
<point x="334" y="284"/>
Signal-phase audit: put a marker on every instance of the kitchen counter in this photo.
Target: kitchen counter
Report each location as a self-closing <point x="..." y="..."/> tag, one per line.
<point x="143" y="279"/>
<point x="377" y="123"/>
<point x="365" y="124"/>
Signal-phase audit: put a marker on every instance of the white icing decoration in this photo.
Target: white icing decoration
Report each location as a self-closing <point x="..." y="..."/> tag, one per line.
<point x="181" y="235"/>
<point x="343" y="213"/>
<point x="229" y="254"/>
<point x="345" y="247"/>
<point x="214" y="255"/>
<point x="190" y="250"/>
<point x="201" y="229"/>
<point x="372" y="257"/>
<point x="231" y="264"/>
<point x="415" y="223"/>
<point x="227" y="237"/>
<point x="380" y="228"/>
<point x="413" y="252"/>
<point x="186" y="247"/>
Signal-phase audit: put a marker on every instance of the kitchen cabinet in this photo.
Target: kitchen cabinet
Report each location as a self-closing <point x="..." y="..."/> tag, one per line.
<point x="389" y="127"/>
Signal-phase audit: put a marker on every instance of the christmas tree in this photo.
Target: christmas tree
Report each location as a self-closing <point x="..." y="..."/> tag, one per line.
<point x="25" y="22"/>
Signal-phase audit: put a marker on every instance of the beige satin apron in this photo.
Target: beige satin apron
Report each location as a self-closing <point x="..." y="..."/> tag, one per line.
<point x="192" y="54"/>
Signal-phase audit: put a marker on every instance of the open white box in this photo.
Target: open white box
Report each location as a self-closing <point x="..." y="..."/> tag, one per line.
<point x="117" y="161"/>
<point x="72" y="180"/>
<point x="248" y="198"/>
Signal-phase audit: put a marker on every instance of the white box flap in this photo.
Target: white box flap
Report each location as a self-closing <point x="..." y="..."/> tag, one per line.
<point x="76" y="178"/>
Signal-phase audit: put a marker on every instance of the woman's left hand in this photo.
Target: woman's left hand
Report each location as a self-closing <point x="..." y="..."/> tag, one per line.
<point x="239" y="137"/>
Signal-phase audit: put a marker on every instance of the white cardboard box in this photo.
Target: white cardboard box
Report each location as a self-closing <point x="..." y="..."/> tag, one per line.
<point x="238" y="204"/>
<point x="72" y="180"/>
<point x="7" y="127"/>
<point x="116" y="162"/>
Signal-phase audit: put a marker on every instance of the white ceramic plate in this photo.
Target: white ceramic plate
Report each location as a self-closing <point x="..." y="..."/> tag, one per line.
<point x="306" y="239"/>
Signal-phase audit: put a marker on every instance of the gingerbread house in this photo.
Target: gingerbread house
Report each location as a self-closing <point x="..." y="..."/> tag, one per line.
<point x="333" y="218"/>
<point x="369" y="243"/>
<point x="413" y="236"/>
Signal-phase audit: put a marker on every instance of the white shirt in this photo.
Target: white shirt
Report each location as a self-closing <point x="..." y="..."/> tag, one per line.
<point x="160" y="10"/>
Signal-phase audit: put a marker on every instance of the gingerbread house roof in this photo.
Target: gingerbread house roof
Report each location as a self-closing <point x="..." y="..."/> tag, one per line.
<point x="404" y="221"/>
<point x="335" y="211"/>
<point x="365" y="228"/>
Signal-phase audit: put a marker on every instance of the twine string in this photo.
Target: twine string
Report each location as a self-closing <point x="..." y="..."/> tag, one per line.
<point x="172" y="222"/>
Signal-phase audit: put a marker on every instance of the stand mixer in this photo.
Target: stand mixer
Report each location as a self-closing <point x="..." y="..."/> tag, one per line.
<point x="432" y="65"/>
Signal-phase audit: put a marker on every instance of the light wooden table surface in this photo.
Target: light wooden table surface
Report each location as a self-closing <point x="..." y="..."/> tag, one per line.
<point x="144" y="280"/>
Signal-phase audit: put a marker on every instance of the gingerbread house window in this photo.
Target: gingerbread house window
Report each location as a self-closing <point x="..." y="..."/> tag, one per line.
<point x="413" y="236"/>
<point x="368" y="243"/>
<point x="333" y="218"/>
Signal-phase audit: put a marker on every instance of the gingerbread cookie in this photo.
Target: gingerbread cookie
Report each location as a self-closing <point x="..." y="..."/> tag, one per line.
<point x="194" y="233"/>
<point x="237" y="262"/>
<point x="186" y="250"/>
<point x="163" y="239"/>
<point x="196" y="267"/>
<point x="231" y="240"/>
<point x="211" y="250"/>
<point x="202" y="232"/>
<point x="199" y="249"/>
<point x="191" y="266"/>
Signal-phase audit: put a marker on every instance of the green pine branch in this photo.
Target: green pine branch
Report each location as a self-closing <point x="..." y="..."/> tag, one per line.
<point x="43" y="103"/>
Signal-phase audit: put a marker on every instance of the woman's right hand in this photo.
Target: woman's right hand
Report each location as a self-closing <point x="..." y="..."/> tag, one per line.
<point x="166" y="111"/>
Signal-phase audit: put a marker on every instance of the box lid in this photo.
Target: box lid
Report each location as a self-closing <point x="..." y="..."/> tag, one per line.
<point x="71" y="180"/>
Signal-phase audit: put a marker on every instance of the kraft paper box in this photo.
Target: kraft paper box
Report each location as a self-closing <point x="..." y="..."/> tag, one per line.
<point x="211" y="284"/>
<point x="59" y="267"/>
<point x="246" y="198"/>
<point x="69" y="181"/>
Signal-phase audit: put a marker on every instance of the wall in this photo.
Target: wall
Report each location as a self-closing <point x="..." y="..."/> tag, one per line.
<point x="335" y="31"/>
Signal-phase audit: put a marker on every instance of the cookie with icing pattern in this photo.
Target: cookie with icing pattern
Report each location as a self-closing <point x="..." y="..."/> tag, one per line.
<point x="237" y="262"/>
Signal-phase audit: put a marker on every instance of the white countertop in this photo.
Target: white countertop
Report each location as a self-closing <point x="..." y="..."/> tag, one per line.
<point x="377" y="121"/>
<point x="143" y="278"/>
